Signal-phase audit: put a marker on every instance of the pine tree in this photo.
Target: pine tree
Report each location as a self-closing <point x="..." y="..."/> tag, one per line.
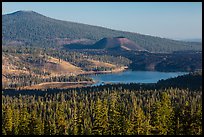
<point x="162" y="116"/>
<point x="3" y="131"/>
<point x="7" y="123"/>
<point x="166" y="114"/>
<point x="123" y="121"/>
<point x="60" y="121"/>
<point x="176" y="120"/>
<point x="16" y="121"/>
<point x="80" y="119"/>
<point x="97" y="127"/>
<point x="155" y="118"/>
<point x="47" y="127"/>
<point x="186" y="119"/>
<point x="104" y="117"/>
<point x="100" y="122"/>
<point x="198" y="121"/>
<point x="147" y="126"/>
<point x="53" y="128"/>
<point x="140" y="122"/>
<point x="113" y="119"/>
<point x="35" y="124"/>
<point x="24" y="128"/>
<point x="74" y="126"/>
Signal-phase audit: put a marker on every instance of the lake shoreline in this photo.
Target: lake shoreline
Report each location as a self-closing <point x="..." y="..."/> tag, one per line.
<point x="110" y="74"/>
<point x="67" y="85"/>
<point x="60" y="85"/>
<point x="121" y="69"/>
<point x="130" y="76"/>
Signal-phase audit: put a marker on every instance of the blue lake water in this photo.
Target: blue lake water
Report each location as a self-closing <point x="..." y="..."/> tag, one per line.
<point x="133" y="77"/>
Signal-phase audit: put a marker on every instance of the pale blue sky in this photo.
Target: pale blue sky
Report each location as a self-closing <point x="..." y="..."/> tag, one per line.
<point x="177" y="20"/>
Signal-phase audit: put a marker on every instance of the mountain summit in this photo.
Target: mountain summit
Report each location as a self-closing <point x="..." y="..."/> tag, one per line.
<point x="32" y="28"/>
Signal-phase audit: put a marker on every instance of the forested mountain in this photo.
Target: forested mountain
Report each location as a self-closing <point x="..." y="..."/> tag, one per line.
<point x="31" y="28"/>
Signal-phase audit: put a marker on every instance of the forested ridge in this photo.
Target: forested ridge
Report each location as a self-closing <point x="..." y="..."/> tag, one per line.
<point x="184" y="61"/>
<point x="31" y="28"/>
<point x="192" y="81"/>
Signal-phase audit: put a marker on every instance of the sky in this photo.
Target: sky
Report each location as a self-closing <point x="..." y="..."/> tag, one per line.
<point x="176" y="20"/>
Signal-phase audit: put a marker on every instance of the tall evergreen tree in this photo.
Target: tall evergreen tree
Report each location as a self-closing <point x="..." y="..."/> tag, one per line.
<point x="61" y="121"/>
<point x="7" y="123"/>
<point x="24" y="128"/>
<point x="113" y="119"/>
<point x="16" y="121"/>
<point x="100" y="114"/>
<point x="162" y="116"/>
<point x="35" y="124"/>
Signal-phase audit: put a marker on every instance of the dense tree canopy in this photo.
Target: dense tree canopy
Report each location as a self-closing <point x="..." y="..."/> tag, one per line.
<point x="104" y="112"/>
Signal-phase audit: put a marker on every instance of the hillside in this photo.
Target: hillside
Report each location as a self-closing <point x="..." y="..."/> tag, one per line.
<point x="117" y="43"/>
<point x="182" y="61"/>
<point x="26" y="66"/>
<point x="191" y="81"/>
<point x="31" y="28"/>
<point x="113" y="43"/>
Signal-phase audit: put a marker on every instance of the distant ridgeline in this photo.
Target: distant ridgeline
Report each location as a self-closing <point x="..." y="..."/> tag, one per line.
<point x="31" y="28"/>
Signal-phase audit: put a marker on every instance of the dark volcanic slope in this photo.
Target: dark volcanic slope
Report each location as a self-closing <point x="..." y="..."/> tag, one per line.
<point x="33" y="28"/>
<point x="117" y="43"/>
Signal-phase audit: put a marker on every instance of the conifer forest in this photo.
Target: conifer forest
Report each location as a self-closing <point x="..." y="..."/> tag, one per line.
<point x="101" y="68"/>
<point x="104" y="111"/>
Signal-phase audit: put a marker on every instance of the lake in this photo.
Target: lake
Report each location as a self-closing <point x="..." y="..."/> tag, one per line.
<point x="133" y="77"/>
